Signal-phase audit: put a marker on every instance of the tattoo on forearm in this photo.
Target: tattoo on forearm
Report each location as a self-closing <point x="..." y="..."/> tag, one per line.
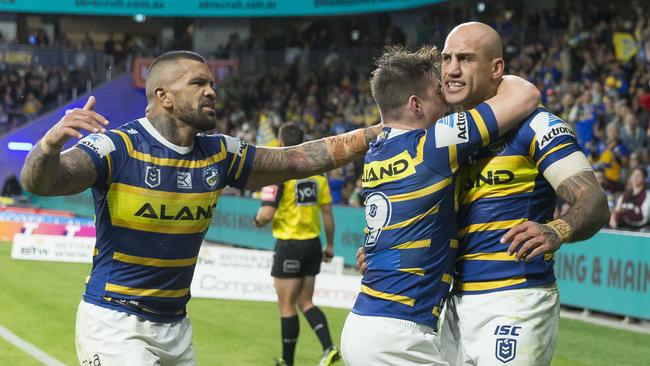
<point x="346" y="147"/>
<point x="589" y="210"/>
<point x="291" y="162"/>
<point x="273" y="165"/>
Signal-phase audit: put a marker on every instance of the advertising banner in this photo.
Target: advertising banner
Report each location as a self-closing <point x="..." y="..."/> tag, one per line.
<point x="211" y="8"/>
<point x="245" y="274"/>
<point x="54" y="248"/>
<point x="610" y="272"/>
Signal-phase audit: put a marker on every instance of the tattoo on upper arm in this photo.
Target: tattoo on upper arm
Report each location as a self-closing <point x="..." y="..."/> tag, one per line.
<point x="77" y="171"/>
<point x="58" y="174"/>
<point x="267" y="159"/>
<point x="577" y="185"/>
<point x="589" y="210"/>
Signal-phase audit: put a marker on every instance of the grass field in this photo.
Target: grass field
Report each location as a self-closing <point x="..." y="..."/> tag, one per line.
<point x="38" y="301"/>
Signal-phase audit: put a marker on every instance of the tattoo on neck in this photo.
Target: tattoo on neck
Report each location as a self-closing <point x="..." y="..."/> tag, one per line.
<point x="167" y="128"/>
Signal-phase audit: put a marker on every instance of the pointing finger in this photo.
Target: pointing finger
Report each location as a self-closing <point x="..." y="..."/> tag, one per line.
<point x="90" y="104"/>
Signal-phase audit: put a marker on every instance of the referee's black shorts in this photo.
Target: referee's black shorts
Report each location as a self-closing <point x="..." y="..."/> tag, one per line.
<point x="297" y="258"/>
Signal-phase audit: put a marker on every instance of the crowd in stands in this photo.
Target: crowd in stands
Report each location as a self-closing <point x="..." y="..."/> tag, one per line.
<point x="569" y="54"/>
<point x="572" y="59"/>
<point x="29" y="92"/>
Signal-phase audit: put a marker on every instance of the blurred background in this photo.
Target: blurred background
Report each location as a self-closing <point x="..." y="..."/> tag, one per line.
<point x="590" y="60"/>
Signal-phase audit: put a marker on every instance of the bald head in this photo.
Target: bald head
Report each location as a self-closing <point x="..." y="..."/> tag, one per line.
<point x="480" y="37"/>
<point x="472" y="64"/>
<point x="166" y="68"/>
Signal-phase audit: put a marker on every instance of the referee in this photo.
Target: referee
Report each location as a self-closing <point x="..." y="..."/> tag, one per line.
<point x="293" y="206"/>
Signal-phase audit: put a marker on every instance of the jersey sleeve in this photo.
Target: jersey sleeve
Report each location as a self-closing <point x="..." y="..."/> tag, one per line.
<point x="550" y="139"/>
<point x="240" y="158"/>
<point x="324" y="194"/>
<point x="460" y="134"/>
<point x="101" y="147"/>
<point x="271" y="195"/>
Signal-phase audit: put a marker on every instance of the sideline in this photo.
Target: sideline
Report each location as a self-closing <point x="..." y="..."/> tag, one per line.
<point x="604" y="321"/>
<point x="29" y="348"/>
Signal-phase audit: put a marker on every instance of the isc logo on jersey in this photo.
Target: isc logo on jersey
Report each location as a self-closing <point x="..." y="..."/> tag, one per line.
<point x="547" y="127"/>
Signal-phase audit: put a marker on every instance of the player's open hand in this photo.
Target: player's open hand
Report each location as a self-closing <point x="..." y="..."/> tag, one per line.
<point x="530" y="239"/>
<point x="70" y="125"/>
<point x="361" y="260"/>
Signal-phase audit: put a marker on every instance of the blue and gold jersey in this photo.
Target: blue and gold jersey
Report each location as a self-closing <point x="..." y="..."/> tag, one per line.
<point x="154" y="202"/>
<point x="502" y="186"/>
<point x="411" y="214"/>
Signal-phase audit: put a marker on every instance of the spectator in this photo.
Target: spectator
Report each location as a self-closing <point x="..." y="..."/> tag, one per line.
<point x="336" y="180"/>
<point x="583" y="118"/>
<point x="633" y="207"/>
<point x="607" y="114"/>
<point x="632" y="136"/>
<point x="610" y="191"/>
<point x="612" y="155"/>
<point x="32" y="106"/>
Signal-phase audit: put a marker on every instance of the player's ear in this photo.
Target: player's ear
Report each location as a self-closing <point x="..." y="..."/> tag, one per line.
<point x="414" y="105"/>
<point x="498" y="68"/>
<point x="165" y="98"/>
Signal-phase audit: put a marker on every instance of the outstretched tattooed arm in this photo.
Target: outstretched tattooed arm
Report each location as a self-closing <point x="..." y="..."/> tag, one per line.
<point x="274" y="165"/>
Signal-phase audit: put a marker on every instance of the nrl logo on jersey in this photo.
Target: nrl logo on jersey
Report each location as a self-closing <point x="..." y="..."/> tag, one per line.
<point x="506" y="348"/>
<point x="152" y="176"/>
<point x="547" y="127"/>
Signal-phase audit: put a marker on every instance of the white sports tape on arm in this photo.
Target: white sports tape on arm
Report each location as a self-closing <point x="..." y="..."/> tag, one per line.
<point x="566" y="167"/>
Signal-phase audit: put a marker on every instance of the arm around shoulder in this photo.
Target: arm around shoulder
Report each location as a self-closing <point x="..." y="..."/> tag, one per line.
<point x="516" y="98"/>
